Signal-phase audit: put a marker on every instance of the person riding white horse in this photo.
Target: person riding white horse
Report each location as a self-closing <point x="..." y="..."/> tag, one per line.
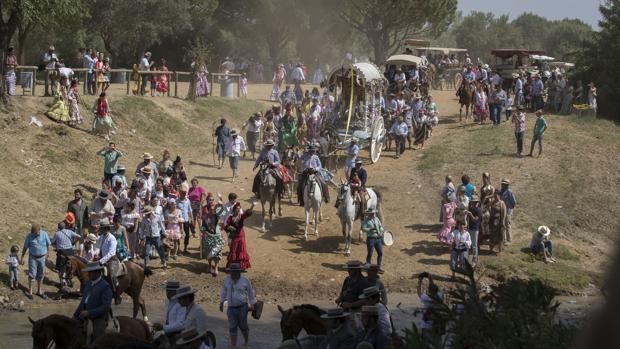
<point x="312" y="164"/>
<point x="270" y="156"/>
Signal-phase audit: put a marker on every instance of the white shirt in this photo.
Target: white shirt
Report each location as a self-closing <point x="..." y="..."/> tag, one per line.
<point x="144" y="64"/>
<point x="254" y="125"/>
<point x="228" y="211"/>
<point x="108" y="247"/>
<point x="298" y="74"/>
<point x="196" y="317"/>
<point x="235" y="146"/>
<point x="237" y="293"/>
<point x="175" y="316"/>
<point x="460" y="239"/>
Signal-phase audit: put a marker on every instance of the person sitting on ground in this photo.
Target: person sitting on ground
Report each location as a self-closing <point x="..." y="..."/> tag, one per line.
<point x="339" y="335"/>
<point x="312" y="165"/>
<point x="373" y="332"/>
<point x="175" y="313"/>
<point x="542" y="243"/>
<point x="372" y="275"/>
<point x="372" y="296"/>
<point x="195" y="316"/>
<point x="268" y="155"/>
<point x="96" y="302"/>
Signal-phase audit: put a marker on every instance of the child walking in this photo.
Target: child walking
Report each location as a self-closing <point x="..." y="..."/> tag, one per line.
<point x="244" y="86"/>
<point x="13" y="262"/>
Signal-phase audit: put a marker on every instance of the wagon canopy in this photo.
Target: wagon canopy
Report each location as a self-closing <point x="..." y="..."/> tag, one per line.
<point x="562" y="64"/>
<point x="446" y="50"/>
<point x="366" y="73"/>
<point x="509" y="52"/>
<point x="404" y="60"/>
<point x="542" y="58"/>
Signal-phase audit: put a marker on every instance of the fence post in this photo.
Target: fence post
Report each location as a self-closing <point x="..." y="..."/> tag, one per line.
<point x="238" y="86"/>
<point x="169" y="83"/>
<point x="34" y="80"/>
<point x="176" y="84"/>
<point x="211" y="80"/>
<point x="127" y="76"/>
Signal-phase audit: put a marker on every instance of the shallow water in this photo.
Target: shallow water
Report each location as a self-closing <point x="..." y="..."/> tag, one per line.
<point x="264" y="333"/>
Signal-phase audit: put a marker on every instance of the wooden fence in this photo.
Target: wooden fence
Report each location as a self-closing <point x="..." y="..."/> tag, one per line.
<point x="173" y="76"/>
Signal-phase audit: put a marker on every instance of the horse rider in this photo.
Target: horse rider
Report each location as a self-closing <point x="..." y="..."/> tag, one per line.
<point x="175" y="313"/>
<point x="339" y="335"/>
<point x="192" y="339"/>
<point x="269" y="156"/>
<point x="96" y="303"/>
<point x="361" y="172"/>
<point x="352" y="288"/>
<point x="373" y="333"/>
<point x="372" y="296"/>
<point x="109" y="258"/>
<point x="352" y="151"/>
<point x="312" y="165"/>
<point x="195" y="315"/>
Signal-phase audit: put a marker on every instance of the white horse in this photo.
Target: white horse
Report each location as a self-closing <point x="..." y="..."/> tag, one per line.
<point x="267" y="193"/>
<point x="313" y="199"/>
<point x="346" y="213"/>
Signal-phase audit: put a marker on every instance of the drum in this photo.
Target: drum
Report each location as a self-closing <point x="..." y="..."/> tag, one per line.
<point x="388" y="238"/>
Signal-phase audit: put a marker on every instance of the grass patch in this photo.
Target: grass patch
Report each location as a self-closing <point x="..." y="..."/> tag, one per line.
<point x="207" y="111"/>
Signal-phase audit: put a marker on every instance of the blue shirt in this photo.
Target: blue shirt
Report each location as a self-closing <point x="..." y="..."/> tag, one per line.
<point x="352" y="155"/>
<point x="469" y="190"/>
<point x="64" y="239"/>
<point x="185" y="206"/>
<point x="537" y="87"/>
<point x="312" y="161"/>
<point x="89" y="63"/>
<point x="222" y="133"/>
<point x="269" y="155"/>
<point x="469" y="76"/>
<point x="37" y="245"/>
<point x="508" y="197"/>
<point x="400" y="129"/>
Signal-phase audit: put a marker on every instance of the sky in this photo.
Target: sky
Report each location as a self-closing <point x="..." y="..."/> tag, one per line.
<point x="586" y="10"/>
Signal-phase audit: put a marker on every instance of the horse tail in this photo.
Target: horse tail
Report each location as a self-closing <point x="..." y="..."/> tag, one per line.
<point x="379" y="200"/>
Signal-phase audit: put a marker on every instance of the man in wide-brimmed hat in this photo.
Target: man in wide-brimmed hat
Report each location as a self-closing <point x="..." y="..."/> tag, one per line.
<point x="238" y="293"/>
<point x="101" y="209"/>
<point x="541" y="242"/>
<point x="399" y="130"/>
<point x="108" y="258"/>
<point x="312" y="165"/>
<point x="253" y="126"/>
<point x="175" y="313"/>
<point x="147" y="161"/>
<point x="96" y="301"/>
<point x="151" y="230"/>
<point x="372" y="296"/>
<point x="353" y="286"/>
<point x="352" y="151"/>
<point x="373" y="229"/>
<point x="234" y="147"/>
<point x="339" y="335"/>
<point x="373" y="333"/>
<point x="538" y="88"/>
<point x="372" y="275"/>
<point x="474" y="220"/>
<point x="195" y="315"/>
<point x="191" y="338"/>
<point x="508" y="197"/>
<point x="270" y="157"/>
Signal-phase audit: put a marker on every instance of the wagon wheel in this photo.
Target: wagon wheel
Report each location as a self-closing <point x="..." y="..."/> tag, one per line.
<point x="458" y="79"/>
<point x="378" y="138"/>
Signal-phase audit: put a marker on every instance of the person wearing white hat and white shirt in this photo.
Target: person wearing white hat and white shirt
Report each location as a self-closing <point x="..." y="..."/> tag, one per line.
<point x="101" y="209"/>
<point x="234" y="146"/>
<point x="239" y="295"/>
<point x="352" y="151"/>
<point x="195" y="315"/>
<point x="542" y="243"/>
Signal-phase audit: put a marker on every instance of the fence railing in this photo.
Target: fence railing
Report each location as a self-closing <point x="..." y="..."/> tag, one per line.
<point x="80" y="74"/>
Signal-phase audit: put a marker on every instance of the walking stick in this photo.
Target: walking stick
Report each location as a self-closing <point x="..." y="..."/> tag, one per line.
<point x="213" y="143"/>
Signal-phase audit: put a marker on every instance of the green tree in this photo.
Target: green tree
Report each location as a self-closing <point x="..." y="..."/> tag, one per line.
<point x="385" y="23"/>
<point x="533" y="27"/>
<point x="598" y="62"/>
<point x="567" y="38"/>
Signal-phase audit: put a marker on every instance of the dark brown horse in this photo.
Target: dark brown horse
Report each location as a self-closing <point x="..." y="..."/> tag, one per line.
<point x="130" y="283"/>
<point x="466" y="98"/>
<point x="65" y="332"/>
<point x="306" y="317"/>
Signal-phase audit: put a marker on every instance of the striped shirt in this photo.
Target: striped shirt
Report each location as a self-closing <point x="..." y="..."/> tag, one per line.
<point x="64" y="239"/>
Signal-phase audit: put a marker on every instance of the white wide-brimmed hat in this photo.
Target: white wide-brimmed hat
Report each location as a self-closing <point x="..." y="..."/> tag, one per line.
<point x="544" y="230"/>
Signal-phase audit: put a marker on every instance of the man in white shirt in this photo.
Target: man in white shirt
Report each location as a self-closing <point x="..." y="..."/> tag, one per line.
<point x="298" y="78"/>
<point x="108" y="257"/>
<point x="400" y="130"/>
<point x="145" y="65"/>
<point x="175" y="313"/>
<point x="234" y="147"/>
<point x="195" y="316"/>
<point x="252" y="127"/>
<point x="50" y="60"/>
<point x="237" y="291"/>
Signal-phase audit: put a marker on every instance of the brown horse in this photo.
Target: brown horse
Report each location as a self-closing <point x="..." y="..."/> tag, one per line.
<point x="466" y="98"/>
<point x="65" y="332"/>
<point x="131" y="283"/>
<point x="306" y="317"/>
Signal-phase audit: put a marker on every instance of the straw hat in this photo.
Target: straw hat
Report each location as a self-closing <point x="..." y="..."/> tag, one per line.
<point x="147" y="156"/>
<point x="147" y="210"/>
<point x="184" y="291"/>
<point x="234" y="132"/>
<point x="335" y="313"/>
<point x="370" y="211"/>
<point x="93" y="266"/>
<point x="505" y="181"/>
<point x="147" y="170"/>
<point x="269" y="142"/>
<point x="189" y="335"/>
<point x="544" y="230"/>
<point x="353" y="139"/>
<point x="91" y="238"/>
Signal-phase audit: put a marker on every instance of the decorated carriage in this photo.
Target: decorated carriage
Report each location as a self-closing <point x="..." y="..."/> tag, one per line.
<point x="509" y="62"/>
<point x="357" y="90"/>
<point x="448" y="75"/>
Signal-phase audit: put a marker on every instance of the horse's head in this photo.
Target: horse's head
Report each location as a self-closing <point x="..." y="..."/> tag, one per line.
<point x="344" y="189"/>
<point x="74" y="269"/>
<point x="42" y="333"/>
<point x="305" y="316"/>
<point x="288" y="332"/>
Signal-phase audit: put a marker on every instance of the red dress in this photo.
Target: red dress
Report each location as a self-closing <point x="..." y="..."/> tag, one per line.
<point x="238" y="250"/>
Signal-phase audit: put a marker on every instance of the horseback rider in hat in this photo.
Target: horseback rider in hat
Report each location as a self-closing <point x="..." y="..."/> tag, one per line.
<point x="175" y="313"/>
<point x="374" y="333"/>
<point x="109" y="258"/>
<point x="195" y="315"/>
<point x="96" y="303"/>
<point x="372" y="296"/>
<point x="312" y="165"/>
<point x="339" y="335"/>
<point x="268" y="155"/>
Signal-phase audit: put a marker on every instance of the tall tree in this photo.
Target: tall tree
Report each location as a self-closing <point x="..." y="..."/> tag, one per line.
<point x="385" y="23"/>
<point x="599" y="61"/>
<point x="481" y="32"/>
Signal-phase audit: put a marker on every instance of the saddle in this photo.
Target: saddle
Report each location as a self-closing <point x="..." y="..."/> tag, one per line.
<point x="122" y="270"/>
